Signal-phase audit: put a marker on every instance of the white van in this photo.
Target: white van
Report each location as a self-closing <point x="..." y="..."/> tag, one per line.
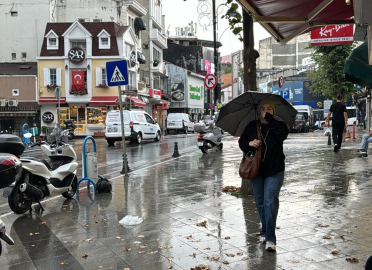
<point x="351" y="115"/>
<point x="307" y="111"/>
<point x="138" y="125"/>
<point x="179" y="122"/>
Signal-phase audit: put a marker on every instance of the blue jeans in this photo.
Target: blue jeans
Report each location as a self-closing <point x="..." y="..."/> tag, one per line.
<point x="366" y="139"/>
<point x="266" y="195"/>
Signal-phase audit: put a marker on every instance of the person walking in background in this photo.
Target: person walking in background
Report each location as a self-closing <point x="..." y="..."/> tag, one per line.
<point x="266" y="186"/>
<point x="339" y="121"/>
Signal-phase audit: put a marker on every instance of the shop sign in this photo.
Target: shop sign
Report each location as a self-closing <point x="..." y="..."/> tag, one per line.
<point x="332" y="35"/>
<point x="12" y="109"/>
<point x="165" y="106"/>
<point x="76" y="55"/>
<point x="154" y="93"/>
<point x="48" y="117"/>
<point x="195" y="92"/>
<point x="130" y="92"/>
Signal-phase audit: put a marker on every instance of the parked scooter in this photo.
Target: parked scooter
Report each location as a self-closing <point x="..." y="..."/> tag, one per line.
<point x="210" y="138"/>
<point x="4" y="236"/>
<point x="70" y="127"/>
<point x="41" y="178"/>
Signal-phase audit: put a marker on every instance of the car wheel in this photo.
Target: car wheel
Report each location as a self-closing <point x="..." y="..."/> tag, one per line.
<point x="139" y="138"/>
<point x="158" y="136"/>
<point x="110" y="142"/>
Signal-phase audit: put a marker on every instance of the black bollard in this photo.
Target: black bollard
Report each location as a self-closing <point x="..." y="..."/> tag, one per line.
<point x="329" y="140"/>
<point x="128" y="168"/>
<point x="176" y="153"/>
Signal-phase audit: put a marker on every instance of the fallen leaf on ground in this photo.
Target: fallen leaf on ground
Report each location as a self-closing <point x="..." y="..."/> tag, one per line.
<point x="225" y="262"/>
<point x="170" y="258"/>
<point x="323" y="226"/>
<point x="353" y="260"/>
<point x="170" y="267"/>
<point x="86" y="225"/>
<point x="85" y="255"/>
<point x="136" y="242"/>
<point x="42" y="223"/>
<point x="245" y="258"/>
<point x="63" y="262"/>
<point x="214" y="258"/>
<point x="189" y="237"/>
<point x="200" y="267"/>
<point x="231" y="189"/>
<point x="342" y="236"/>
<point x="31" y="234"/>
<point x="335" y="251"/>
<point x="141" y="236"/>
<point x="293" y="261"/>
<point x="193" y="255"/>
<point x="126" y="268"/>
<point x="141" y="251"/>
<point x="56" y="218"/>
<point x="227" y="237"/>
<point x="326" y="237"/>
<point x="239" y="253"/>
<point x="152" y="252"/>
<point x="230" y="255"/>
<point x="94" y="215"/>
<point x="89" y="239"/>
<point x="202" y="224"/>
<point x="118" y="237"/>
<point x="127" y="249"/>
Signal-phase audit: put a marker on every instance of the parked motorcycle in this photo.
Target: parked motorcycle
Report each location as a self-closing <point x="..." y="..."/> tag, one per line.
<point x="41" y="178"/>
<point x="209" y="138"/>
<point x="70" y="126"/>
<point x="4" y="236"/>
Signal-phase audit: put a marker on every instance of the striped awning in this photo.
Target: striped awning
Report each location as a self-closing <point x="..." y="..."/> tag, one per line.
<point x="51" y="100"/>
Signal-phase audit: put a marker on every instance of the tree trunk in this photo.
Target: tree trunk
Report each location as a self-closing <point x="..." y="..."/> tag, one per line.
<point x="249" y="57"/>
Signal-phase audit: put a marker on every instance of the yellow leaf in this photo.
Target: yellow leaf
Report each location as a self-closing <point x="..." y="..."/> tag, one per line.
<point x="63" y="262"/>
<point x="230" y="255"/>
<point x="85" y="255"/>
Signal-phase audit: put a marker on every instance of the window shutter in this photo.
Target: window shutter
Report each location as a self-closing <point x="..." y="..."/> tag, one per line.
<point x="46" y="76"/>
<point x="98" y="76"/>
<point x="59" y="77"/>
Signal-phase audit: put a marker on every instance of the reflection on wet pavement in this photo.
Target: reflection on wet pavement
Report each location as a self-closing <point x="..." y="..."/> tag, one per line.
<point x="325" y="205"/>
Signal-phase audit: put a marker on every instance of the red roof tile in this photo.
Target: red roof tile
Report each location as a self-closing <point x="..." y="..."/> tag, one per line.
<point x="227" y="79"/>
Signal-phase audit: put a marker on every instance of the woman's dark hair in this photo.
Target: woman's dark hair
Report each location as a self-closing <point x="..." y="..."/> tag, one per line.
<point x="339" y="97"/>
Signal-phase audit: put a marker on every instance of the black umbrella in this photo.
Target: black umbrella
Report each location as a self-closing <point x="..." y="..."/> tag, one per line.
<point x="236" y="114"/>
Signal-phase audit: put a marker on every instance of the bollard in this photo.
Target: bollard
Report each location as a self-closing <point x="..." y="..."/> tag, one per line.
<point x="176" y="153"/>
<point x="329" y="139"/>
<point x="354" y="131"/>
<point x="128" y="168"/>
<point x="348" y="134"/>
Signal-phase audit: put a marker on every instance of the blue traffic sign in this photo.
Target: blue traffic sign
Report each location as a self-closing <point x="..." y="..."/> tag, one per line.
<point x="117" y="73"/>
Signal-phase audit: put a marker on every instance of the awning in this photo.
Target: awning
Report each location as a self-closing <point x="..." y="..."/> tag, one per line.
<point x="136" y="102"/>
<point x="357" y="69"/>
<point x="286" y="19"/>
<point x="103" y="100"/>
<point x="144" y="99"/>
<point x="139" y="23"/>
<point x="51" y="100"/>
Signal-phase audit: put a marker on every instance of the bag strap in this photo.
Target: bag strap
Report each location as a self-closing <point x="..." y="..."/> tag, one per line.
<point x="258" y="151"/>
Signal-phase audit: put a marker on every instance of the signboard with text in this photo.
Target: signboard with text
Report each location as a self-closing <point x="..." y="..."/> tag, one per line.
<point x="332" y="35"/>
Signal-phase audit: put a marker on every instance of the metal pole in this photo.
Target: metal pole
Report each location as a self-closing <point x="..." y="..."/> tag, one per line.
<point x="369" y="110"/>
<point x="215" y="47"/>
<point x="125" y="169"/>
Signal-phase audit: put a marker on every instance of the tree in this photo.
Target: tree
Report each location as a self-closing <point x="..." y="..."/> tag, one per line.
<point x="328" y="79"/>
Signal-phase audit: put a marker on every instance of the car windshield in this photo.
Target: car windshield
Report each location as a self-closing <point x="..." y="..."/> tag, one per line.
<point x="174" y="116"/>
<point x="299" y="118"/>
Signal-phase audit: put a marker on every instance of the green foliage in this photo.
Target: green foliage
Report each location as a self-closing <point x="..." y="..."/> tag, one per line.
<point x="234" y="18"/>
<point x="44" y="129"/>
<point x="329" y="79"/>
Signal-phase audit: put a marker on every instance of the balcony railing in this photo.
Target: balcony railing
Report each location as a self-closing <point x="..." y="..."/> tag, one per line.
<point x="158" y="38"/>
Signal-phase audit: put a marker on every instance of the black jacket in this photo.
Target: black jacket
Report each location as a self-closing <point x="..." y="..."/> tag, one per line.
<point x="272" y="156"/>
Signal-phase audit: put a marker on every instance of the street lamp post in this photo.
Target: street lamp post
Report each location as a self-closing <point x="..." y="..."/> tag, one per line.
<point x="217" y="89"/>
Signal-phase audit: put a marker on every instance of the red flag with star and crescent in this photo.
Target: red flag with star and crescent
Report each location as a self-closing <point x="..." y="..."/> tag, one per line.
<point x="78" y="80"/>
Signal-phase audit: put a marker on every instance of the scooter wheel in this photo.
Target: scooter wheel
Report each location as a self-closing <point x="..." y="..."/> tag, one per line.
<point x="204" y="149"/>
<point x="17" y="203"/>
<point x="71" y="192"/>
<point x="71" y="136"/>
<point x="220" y="146"/>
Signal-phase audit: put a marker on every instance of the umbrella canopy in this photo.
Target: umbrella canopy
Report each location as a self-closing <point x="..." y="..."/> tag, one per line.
<point x="236" y="114"/>
<point x="357" y="69"/>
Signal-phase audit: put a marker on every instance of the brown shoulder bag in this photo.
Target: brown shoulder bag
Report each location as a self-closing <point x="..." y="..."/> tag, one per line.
<point x="250" y="164"/>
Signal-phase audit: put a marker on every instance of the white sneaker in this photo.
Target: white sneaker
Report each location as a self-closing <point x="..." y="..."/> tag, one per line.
<point x="262" y="239"/>
<point x="270" y="246"/>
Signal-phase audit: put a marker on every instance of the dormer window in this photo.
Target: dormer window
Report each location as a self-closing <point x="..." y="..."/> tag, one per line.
<point x="52" y="40"/>
<point x="104" y="40"/>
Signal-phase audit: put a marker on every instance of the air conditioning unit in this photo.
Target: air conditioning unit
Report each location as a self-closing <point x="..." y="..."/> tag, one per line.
<point x="146" y="80"/>
<point x="12" y="103"/>
<point x="2" y="102"/>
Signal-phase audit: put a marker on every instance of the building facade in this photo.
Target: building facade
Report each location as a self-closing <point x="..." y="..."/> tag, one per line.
<point x="73" y="58"/>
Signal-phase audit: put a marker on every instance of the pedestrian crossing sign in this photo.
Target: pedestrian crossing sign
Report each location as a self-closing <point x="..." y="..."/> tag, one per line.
<point x="117" y="73"/>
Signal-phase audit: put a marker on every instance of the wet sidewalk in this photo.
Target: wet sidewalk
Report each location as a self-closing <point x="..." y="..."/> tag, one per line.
<point x="324" y="217"/>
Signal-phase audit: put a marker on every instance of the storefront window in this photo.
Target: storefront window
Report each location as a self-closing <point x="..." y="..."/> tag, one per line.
<point x="96" y="116"/>
<point x="64" y="112"/>
<point x="77" y="113"/>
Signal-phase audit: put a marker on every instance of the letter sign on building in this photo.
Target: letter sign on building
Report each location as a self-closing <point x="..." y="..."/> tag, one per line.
<point x="76" y="55"/>
<point x="48" y="117"/>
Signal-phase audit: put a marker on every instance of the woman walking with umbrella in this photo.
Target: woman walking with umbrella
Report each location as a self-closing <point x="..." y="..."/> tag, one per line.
<point x="266" y="186"/>
<point x="274" y="115"/>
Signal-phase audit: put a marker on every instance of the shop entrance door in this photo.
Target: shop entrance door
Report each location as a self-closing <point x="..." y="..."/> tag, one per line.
<point x="78" y="114"/>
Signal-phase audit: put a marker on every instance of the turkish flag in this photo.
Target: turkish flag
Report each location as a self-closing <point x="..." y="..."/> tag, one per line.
<point x="78" y="81"/>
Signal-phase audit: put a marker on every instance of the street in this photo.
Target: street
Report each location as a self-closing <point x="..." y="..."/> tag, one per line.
<point x="324" y="194"/>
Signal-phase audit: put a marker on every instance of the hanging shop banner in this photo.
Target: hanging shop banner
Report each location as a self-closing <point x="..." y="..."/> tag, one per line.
<point x="78" y="81"/>
<point x="333" y="35"/>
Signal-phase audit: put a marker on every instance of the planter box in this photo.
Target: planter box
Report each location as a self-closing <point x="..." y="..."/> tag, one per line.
<point x="99" y="134"/>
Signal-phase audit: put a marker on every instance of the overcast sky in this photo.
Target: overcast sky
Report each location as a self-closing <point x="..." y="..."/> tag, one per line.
<point x="179" y="13"/>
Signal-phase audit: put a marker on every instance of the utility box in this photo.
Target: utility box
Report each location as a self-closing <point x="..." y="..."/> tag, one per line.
<point x="91" y="165"/>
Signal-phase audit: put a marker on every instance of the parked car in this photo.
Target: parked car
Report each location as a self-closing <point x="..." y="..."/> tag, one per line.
<point x="179" y="122"/>
<point x="300" y="124"/>
<point x="138" y="126"/>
